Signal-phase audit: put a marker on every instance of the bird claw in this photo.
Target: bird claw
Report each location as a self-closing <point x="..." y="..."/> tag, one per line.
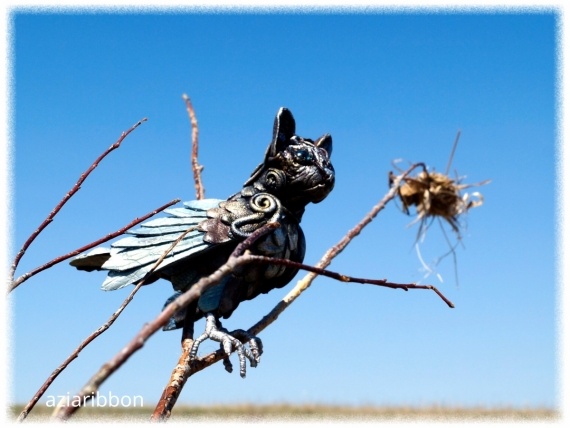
<point x="230" y="342"/>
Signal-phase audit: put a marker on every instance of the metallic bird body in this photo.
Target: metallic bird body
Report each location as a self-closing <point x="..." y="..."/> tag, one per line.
<point x="295" y="172"/>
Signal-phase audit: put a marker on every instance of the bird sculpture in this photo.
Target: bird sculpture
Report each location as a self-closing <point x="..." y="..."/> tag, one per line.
<point x="294" y="172"/>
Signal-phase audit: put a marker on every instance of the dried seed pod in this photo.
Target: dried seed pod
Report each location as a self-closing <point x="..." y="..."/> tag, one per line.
<point x="434" y="194"/>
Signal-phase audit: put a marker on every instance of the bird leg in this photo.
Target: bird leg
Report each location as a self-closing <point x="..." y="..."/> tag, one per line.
<point x="229" y="342"/>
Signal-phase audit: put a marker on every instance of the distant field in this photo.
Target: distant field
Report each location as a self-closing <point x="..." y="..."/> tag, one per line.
<point x="310" y="413"/>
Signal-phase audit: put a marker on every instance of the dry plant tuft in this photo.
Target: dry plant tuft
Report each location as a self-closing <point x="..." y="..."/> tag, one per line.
<point x="437" y="196"/>
<point x="434" y="194"/>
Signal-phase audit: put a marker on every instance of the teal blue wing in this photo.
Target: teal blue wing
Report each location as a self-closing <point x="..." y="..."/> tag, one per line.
<point x="131" y="258"/>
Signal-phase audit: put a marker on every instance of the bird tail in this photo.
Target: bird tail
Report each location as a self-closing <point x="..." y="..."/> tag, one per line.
<point x="92" y="260"/>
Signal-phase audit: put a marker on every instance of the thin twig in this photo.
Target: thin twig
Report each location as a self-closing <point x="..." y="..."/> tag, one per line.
<point x="452" y="152"/>
<point x="65" y="410"/>
<point x="345" y="278"/>
<point x="106" y="238"/>
<point x="67" y="196"/>
<point x="178" y="376"/>
<point x="196" y="167"/>
<point x="99" y="331"/>
<point x="75" y="354"/>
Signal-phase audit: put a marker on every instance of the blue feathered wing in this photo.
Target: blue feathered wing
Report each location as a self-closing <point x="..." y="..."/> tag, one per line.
<point x="131" y="258"/>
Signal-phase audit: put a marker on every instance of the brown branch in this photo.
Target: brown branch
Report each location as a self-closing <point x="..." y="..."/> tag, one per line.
<point x="250" y="258"/>
<point x="105" y="326"/>
<point x="207" y="360"/>
<point x="176" y="382"/>
<point x="196" y="167"/>
<point x="67" y="196"/>
<point x="75" y="354"/>
<point x="106" y="238"/>
<point x="184" y="369"/>
<point x="63" y="412"/>
<point x="334" y="251"/>
<point x="178" y="376"/>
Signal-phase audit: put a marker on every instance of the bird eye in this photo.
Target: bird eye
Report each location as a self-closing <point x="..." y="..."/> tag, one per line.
<point x="303" y="156"/>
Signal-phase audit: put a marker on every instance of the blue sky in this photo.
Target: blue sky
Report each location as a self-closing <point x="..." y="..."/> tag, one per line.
<point x="386" y="86"/>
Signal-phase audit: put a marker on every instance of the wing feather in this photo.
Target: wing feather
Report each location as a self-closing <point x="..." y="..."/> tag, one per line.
<point x="132" y="257"/>
<point x="127" y="258"/>
<point x="149" y="240"/>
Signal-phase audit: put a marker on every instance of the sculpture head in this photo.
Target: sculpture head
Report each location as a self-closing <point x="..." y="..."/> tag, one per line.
<point x="296" y="170"/>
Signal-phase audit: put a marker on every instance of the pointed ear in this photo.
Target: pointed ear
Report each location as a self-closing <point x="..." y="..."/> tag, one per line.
<point x="325" y="142"/>
<point x="283" y="130"/>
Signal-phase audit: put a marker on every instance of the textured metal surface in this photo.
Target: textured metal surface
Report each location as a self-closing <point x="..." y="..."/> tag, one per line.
<point x="294" y="173"/>
<point x="229" y="342"/>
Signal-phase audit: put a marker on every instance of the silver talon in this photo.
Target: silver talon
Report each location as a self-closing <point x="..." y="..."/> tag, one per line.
<point x="229" y="342"/>
<point x="254" y="343"/>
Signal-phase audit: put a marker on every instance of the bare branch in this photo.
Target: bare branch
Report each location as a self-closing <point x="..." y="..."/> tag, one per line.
<point x="236" y="259"/>
<point x="65" y="410"/>
<point x="207" y="360"/>
<point x="334" y="251"/>
<point x="101" y="329"/>
<point x="452" y="152"/>
<point x="75" y="354"/>
<point x="67" y="196"/>
<point x="178" y="377"/>
<point x="345" y="278"/>
<point x="175" y="384"/>
<point x="196" y="167"/>
<point x="106" y="238"/>
<point x="184" y="369"/>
